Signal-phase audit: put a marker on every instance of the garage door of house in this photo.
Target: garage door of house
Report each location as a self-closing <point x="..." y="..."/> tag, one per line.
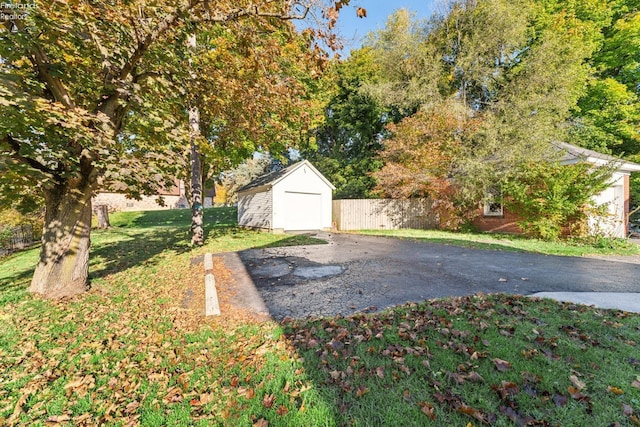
<point x="302" y="211"/>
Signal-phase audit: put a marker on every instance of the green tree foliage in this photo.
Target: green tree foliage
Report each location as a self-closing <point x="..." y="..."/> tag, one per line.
<point x="552" y="198"/>
<point x="93" y="95"/>
<point x="517" y="68"/>
<point x="408" y="70"/>
<point x="346" y="142"/>
<point x="607" y="117"/>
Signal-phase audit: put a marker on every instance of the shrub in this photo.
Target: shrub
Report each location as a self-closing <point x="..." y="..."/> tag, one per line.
<point x="5" y="235"/>
<point x="10" y="218"/>
<point x="554" y="199"/>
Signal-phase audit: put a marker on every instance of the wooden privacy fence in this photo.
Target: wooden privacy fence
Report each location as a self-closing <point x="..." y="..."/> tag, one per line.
<point x="388" y="214"/>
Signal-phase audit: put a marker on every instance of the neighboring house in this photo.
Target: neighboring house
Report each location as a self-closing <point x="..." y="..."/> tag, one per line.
<point x="295" y="198"/>
<point x="494" y="218"/>
<point x="174" y="198"/>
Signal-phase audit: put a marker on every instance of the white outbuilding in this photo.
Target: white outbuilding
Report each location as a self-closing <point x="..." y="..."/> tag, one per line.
<point x="615" y="198"/>
<point x="293" y="199"/>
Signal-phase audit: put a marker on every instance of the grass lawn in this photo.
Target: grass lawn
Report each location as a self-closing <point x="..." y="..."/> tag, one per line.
<point x="136" y="350"/>
<point x="510" y="242"/>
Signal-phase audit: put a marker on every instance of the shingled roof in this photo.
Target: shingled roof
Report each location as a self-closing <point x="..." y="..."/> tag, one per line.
<point x="273" y="178"/>
<point x="573" y="153"/>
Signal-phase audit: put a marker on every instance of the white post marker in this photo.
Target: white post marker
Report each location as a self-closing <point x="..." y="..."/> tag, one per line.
<point x="212" y="307"/>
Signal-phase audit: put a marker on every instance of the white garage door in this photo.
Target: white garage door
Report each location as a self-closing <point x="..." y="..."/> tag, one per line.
<point x="302" y="211"/>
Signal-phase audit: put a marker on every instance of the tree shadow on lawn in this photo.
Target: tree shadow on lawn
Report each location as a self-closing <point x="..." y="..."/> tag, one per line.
<point x="213" y="218"/>
<point x="16" y="271"/>
<point x="15" y="275"/>
<point x="112" y="251"/>
<point x="134" y="249"/>
<point x="123" y="246"/>
<point x="159" y="231"/>
<point x="138" y="237"/>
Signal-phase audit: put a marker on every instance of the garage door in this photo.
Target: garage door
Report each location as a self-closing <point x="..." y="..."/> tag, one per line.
<point x="302" y="211"/>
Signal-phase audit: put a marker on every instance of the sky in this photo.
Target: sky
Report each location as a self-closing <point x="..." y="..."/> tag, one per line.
<point x="354" y="29"/>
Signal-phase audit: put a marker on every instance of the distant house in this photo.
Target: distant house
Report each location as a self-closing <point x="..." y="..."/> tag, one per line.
<point x="295" y="198"/>
<point x="174" y="198"/>
<point x="494" y="218"/>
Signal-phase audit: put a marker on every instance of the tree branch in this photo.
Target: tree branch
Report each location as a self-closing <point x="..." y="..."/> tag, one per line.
<point x="110" y="101"/>
<point x="139" y="78"/>
<point x="152" y="37"/>
<point x="104" y="53"/>
<point x="254" y="10"/>
<point x="15" y="146"/>
<point x="172" y="19"/>
<point x="54" y="84"/>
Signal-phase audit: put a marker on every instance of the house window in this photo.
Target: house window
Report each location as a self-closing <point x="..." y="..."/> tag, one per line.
<point x="493" y="204"/>
<point x="493" y="208"/>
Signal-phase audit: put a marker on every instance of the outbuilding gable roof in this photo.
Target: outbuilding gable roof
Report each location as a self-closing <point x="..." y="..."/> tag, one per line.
<point x="272" y="178"/>
<point x="573" y="153"/>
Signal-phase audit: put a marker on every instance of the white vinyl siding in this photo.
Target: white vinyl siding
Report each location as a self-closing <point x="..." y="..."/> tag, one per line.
<point x="255" y="209"/>
<point x="300" y="199"/>
<point x="613" y="223"/>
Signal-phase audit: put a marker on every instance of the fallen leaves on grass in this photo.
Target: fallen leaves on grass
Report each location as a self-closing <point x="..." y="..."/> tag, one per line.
<point x="268" y="400"/>
<point x="520" y="419"/>
<point x="427" y="409"/>
<point x="615" y="390"/>
<point x="506" y="389"/>
<point x="442" y="344"/>
<point x="140" y="343"/>
<point x="576" y="382"/>
<point x="261" y="423"/>
<point x="501" y="365"/>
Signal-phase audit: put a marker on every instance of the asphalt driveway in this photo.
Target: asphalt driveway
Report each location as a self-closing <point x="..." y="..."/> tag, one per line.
<point x="359" y="273"/>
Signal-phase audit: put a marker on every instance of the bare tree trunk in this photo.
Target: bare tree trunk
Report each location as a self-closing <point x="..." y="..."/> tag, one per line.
<point x="64" y="257"/>
<point x="197" y="211"/>
<point x="102" y="211"/>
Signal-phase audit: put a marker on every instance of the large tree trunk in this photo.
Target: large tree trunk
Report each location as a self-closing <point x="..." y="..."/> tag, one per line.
<point x="64" y="257"/>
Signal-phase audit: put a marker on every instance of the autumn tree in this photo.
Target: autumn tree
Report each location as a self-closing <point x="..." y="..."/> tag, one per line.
<point x="92" y="94"/>
<point x="517" y="68"/>
<point x="421" y="157"/>
<point x="247" y="93"/>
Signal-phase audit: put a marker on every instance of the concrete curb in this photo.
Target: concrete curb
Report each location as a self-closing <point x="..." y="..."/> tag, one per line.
<point x="211" y="304"/>
<point x="627" y="301"/>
